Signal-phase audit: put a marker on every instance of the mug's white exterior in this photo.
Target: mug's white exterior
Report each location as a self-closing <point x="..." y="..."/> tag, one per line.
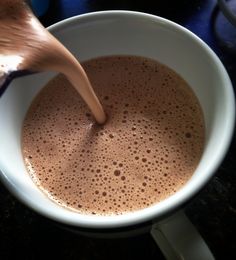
<point x="123" y="32"/>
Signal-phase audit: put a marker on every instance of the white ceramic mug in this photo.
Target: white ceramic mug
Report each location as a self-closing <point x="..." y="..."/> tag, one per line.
<point x="123" y="32"/>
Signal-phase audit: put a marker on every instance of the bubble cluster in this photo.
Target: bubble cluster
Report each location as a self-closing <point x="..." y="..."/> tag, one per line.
<point x="147" y="150"/>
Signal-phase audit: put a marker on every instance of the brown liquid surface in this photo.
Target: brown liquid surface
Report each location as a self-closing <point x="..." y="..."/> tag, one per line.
<point x="148" y="149"/>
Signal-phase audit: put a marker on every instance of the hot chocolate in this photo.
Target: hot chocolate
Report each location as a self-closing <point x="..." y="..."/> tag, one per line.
<point x="25" y="45"/>
<point x="147" y="150"/>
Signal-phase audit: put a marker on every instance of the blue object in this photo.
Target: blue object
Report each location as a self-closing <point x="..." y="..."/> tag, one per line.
<point x="40" y="6"/>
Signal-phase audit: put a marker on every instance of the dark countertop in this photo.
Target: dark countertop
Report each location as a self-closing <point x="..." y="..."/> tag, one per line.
<point x="26" y="234"/>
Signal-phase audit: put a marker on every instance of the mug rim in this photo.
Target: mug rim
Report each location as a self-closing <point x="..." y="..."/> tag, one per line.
<point x="180" y="197"/>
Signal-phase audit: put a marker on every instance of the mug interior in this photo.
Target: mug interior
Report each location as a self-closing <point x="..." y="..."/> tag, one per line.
<point x="127" y="33"/>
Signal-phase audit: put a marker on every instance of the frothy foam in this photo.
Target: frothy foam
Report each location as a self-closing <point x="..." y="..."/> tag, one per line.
<point x="148" y="149"/>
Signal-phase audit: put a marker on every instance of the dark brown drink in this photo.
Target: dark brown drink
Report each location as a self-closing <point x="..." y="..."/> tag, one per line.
<point x="147" y="150"/>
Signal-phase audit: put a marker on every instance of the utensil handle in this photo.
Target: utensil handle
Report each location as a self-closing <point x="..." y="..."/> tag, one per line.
<point x="4" y="82"/>
<point x="178" y="239"/>
<point x="6" y="78"/>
